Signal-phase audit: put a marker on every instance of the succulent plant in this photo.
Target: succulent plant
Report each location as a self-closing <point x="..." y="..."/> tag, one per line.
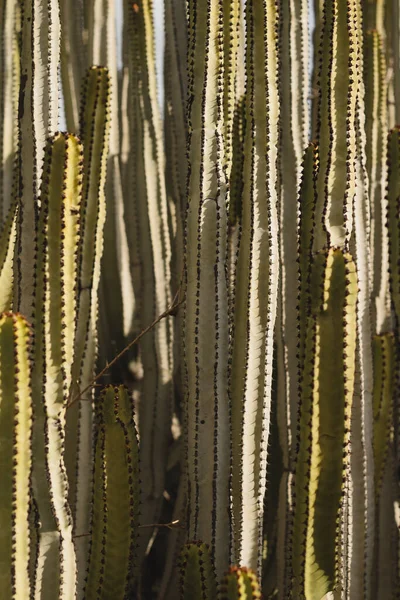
<point x="200" y="301"/>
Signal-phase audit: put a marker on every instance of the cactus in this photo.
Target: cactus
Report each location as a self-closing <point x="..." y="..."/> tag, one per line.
<point x="115" y="498"/>
<point x="55" y="306"/>
<point x="239" y="584"/>
<point x="230" y="268"/>
<point x="325" y="413"/>
<point x="16" y="454"/>
<point x="198" y="579"/>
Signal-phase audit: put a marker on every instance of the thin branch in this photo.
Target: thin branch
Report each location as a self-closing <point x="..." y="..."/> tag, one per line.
<point x="171" y="525"/>
<point x="165" y="314"/>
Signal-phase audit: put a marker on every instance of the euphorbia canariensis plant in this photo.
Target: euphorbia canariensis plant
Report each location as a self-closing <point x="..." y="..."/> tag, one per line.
<point x="199" y="300"/>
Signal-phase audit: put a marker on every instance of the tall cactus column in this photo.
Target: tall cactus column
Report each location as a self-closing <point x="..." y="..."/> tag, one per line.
<point x="327" y="387"/>
<point x="149" y="242"/>
<point x="55" y="307"/>
<point x="205" y="320"/>
<point x="256" y="285"/>
<point x="15" y="456"/>
<point x="94" y="132"/>
<point x="38" y="118"/>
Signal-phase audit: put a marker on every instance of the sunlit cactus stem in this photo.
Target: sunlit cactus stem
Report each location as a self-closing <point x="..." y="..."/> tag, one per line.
<point x="16" y="455"/>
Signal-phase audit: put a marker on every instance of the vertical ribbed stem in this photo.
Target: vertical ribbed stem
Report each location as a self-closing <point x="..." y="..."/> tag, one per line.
<point x="256" y="285"/>
<point x="149" y="242"/>
<point x="38" y="118"/>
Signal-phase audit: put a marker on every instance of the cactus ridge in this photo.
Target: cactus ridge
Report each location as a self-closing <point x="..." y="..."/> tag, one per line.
<point x="16" y="453"/>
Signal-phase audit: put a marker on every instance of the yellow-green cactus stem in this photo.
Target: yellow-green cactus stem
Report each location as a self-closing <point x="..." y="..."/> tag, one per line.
<point x="198" y="581"/>
<point x="15" y="456"/>
<point x="239" y="584"/>
<point x="55" y="315"/>
<point x="8" y="237"/>
<point x="115" y="500"/>
<point x="327" y="387"/>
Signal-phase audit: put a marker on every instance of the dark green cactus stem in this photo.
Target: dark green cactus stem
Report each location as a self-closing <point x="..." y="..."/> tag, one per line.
<point x="198" y="581"/>
<point x="393" y="195"/>
<point x="55" y="310"/>
<point x="307" y="204"/>
<point x="236" y="178"/>
<point x="15" y="456"/>
<point x="327" y="387"/>
<point x="384" y="370"/>
<point x="239" y="584"/>
<point x="115" y="501"/>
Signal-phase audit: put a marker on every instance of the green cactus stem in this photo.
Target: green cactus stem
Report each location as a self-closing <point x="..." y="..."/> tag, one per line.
<point x="198" y="581"/>
<point x="115" y="501"/>
<point x="384" y="363"/>
<point x="327" y="387"/>
<point x="15" y="456"/>
<point x="393" y="194"/>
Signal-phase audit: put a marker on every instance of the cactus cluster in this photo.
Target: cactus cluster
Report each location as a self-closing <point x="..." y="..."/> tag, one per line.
<point x="200" y="301"/>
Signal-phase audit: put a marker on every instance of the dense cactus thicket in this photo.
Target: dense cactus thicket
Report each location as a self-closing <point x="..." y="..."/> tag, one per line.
<point x="200" y="303"/>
